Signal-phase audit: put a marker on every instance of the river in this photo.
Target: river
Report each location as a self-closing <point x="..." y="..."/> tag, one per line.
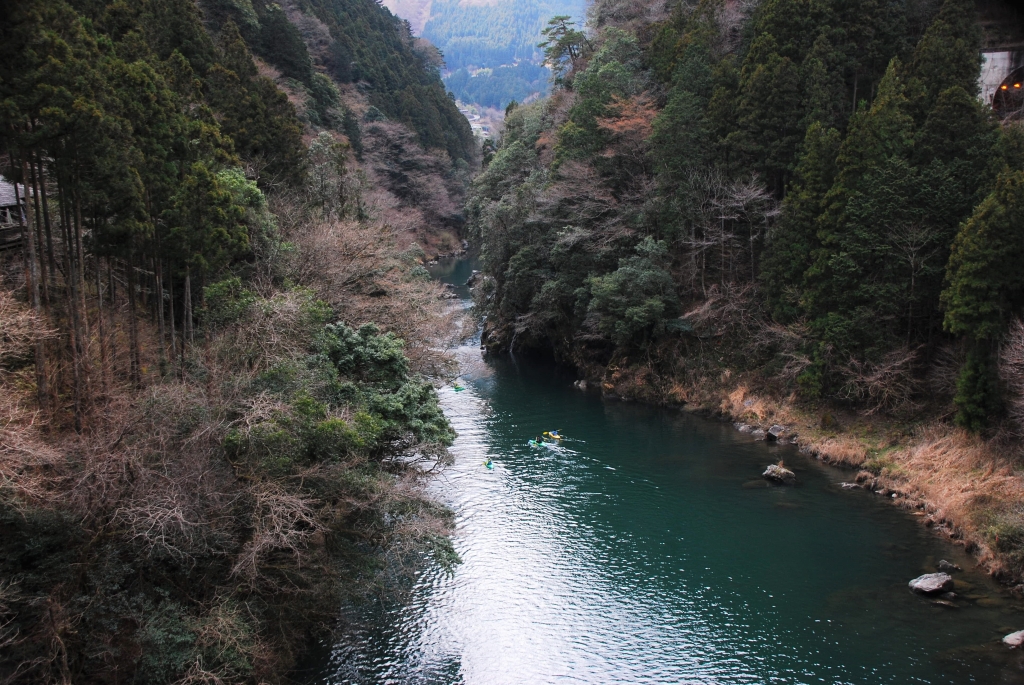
<point x="646" y="549"/>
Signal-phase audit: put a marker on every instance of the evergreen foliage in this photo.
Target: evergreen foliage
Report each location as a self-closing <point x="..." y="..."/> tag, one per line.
<point x="826" y="160"/>
<point x="374" y="47"/>
<point x="180" y="533"/>
<point x="985" y="284"/>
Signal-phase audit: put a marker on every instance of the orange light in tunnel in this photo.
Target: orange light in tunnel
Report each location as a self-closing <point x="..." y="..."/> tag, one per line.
<point x="1016" y="85"/>
<point x="1003" y="87"/>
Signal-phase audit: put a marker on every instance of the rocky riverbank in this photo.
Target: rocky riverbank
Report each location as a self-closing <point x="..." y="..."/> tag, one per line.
<point x="964" y="487"/>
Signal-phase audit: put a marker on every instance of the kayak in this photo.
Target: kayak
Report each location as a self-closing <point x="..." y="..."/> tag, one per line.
<point x="554" y="435"/>
<point x="458" y="388"/>
<point x="489" y="464"/>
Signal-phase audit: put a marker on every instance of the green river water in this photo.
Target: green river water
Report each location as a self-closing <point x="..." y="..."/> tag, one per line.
<point x="648" y="550"/>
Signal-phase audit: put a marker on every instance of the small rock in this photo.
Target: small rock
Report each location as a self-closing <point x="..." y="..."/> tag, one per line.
<point x="775" y="432"/>
<point x="944" y="603"/>
<point x="473" y="279"/>
<point x="581" y="385"/>
<point x="932" y="583"/>
<point x="743" y="427"/>
<point x="779" y="474"/>
<point x="758" y="433"/>
<point x="947" y="567"/>
<point x="849" y="486"/>
<point x="949" y="596"/>
<point x="1014" y="640"/>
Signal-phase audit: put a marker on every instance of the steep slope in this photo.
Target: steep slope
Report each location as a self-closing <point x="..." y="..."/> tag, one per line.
<point x="215" y="334"/>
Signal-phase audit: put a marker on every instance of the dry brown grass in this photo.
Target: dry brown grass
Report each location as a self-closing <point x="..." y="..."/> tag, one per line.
<point x="967" y="480"/>
<point x="842" y="450"/>
<point x="972" y="486"/>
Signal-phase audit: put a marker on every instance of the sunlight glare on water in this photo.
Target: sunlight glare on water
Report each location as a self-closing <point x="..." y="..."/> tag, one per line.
<point x="646" y="549"/>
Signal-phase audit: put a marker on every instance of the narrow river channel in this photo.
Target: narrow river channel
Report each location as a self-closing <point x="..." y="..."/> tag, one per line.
<point x="646" y="549"/>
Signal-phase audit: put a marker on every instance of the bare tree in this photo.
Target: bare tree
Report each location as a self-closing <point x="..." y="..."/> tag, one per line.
<point x="888" y="385"/>
<point x="916" y="246"/>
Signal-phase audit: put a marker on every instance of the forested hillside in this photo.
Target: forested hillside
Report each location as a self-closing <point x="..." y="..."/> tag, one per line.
<point x="215" y="332"/>
<point x="499" y="38"/>
<point x="802" y="200"/>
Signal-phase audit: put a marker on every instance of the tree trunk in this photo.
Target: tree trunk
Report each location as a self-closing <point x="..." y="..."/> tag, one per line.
<point x="104" y="364"/>
<point x="84" y="336"/>
<point x="39" y="236"/>
<point x="47" y="224"/>
<point x="74" y="329"/>
<point x="32" y="287"/>
<point x="111" y="290"/>
<point x="133" y="329"/>
<point x="174" y="333"/>
<point x="80" y="273"/>
<point x="160" y="309"/>
<point x="187" y="324"/>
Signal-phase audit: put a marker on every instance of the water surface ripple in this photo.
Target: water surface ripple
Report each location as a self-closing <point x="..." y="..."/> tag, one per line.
<point x="645" y="549"/>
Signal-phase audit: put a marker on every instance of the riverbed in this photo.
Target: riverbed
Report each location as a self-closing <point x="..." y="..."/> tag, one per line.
<point x="645" y="548"/>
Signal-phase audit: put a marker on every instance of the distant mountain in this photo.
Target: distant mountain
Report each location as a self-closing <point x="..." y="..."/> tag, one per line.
<point x="416" y="12"/>
<point x="490" y="48"/>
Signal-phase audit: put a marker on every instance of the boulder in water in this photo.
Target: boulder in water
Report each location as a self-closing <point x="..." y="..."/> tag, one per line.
<point x="947" y="567"/>
<point x="932" y="583"/>
<point x="774" y="433"/>
<point x="779" y="474"/>
<point x="1014" y="640"/>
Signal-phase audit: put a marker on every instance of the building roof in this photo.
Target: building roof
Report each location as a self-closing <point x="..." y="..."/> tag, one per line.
<point x="7" y="193"/>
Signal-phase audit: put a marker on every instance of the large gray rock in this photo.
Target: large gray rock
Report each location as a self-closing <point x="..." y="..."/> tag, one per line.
<point x="779" y="474"/>
<point x="1015" y="639"/>
<point x="775" y="432"/>
<point x="932" y="583"/>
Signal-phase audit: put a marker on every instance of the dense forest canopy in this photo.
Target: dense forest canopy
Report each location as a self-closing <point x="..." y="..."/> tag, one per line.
<point x="203" y="323"/>
<point x="811" y="188"/>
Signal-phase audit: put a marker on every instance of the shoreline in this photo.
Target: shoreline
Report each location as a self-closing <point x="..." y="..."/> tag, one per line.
<point x="962" y="487"/>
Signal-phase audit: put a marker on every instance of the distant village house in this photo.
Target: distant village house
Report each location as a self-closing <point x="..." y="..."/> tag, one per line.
<point x="12" y="213"/>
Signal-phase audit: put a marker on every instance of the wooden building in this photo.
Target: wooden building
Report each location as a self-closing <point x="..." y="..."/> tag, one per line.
<point x="12" y="213"/>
